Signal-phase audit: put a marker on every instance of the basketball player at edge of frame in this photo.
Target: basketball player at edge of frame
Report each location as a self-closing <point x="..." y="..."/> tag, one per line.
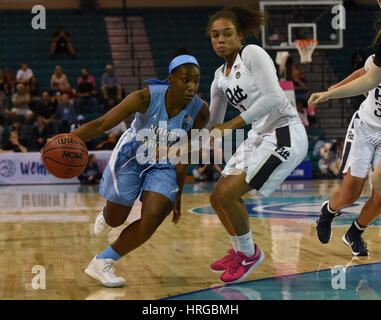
<point x="275" y="146"/>
<point x="174" y="102"/>
<point x="366" y="124"/>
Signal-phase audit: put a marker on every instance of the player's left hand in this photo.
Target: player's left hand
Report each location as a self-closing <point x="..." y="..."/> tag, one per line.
<point x="177" y="210"/>
<point x="318" y="98"/>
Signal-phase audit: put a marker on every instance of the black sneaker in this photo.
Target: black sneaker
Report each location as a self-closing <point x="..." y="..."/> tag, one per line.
<point x="323" y="227"/>
<point x="356" y="243"/>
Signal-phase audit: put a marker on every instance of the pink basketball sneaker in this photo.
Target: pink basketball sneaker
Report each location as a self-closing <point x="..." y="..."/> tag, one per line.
<point x="239" y="268"/>
<point x="221" y="264"/>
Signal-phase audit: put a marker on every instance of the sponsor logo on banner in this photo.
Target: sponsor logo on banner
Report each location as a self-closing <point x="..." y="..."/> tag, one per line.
<point x="7" y="168"/>
<point x="32" y="168"/>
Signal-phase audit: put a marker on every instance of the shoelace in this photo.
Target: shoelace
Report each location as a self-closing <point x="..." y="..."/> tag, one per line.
<point x="361" y="240"/>
<point x="101" y="220"/>
<point x="229" y="257"/>
<point x="110" y="269"/>
<point x="233" y="266"/>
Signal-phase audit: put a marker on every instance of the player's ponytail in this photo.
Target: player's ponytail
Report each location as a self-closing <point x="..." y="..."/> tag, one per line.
<point x="246" y="20"/>
<point x="377" y="38"/>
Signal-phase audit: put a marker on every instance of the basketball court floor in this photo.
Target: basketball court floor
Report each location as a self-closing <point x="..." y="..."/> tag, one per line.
<point x="49" y="228"/>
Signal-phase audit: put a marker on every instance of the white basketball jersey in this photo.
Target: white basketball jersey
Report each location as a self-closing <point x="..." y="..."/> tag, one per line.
<point x="370" y="109"/>
<point x="241" y="91"/>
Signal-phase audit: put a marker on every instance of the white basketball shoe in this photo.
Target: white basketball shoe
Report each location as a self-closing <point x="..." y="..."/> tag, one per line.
<point x="103" y="271"/>
<point x="101" y="228"/>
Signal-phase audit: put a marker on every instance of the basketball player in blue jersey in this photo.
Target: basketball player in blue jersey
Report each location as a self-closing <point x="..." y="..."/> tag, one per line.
<point x="276" y="144"/>
<point x="162" y="107"/>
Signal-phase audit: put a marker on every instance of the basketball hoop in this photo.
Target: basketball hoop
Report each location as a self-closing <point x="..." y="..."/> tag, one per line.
<point x="306" y="48"/>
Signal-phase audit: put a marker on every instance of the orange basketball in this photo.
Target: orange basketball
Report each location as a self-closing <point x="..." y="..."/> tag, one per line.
<point x="65" y="156"/>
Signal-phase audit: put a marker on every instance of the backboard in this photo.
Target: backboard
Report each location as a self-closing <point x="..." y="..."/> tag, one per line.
<point x="288" y="21"/>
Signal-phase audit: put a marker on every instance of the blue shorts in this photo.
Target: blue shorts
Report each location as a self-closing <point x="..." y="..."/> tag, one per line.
<point x="123" y="184"/>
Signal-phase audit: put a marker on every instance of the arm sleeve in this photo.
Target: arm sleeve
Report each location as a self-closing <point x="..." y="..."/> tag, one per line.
<point x="263" y="71"/>
<point x="218" y="104"/>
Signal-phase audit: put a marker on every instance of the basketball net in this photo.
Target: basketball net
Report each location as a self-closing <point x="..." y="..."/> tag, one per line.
<point x="306" y="48"/>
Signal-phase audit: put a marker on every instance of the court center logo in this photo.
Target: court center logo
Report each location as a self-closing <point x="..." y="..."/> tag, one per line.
<point x="7" y="168"/>
<point x="304" y="208"/>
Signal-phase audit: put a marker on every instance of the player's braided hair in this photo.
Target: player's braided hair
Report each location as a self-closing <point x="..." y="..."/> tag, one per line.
<point x="246" y="20"/>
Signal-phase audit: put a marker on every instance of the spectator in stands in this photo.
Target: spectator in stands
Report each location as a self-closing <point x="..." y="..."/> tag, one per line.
<point x="65" y="115"/>
<point x="58" y="77"/>
<point x="111" y="103"/>
<point x="3" y="84"/>
<point x="69" y="91"/>
<point x="110" y="85"/>
<point x="14" y="145"/>
<point x="4" y="111"/>
<point x="109" y="143"/>
<point x="324" y="158"/>
<point x="16" y="125"/>
<point x="24" y="75"/>
<point x="3" y="99"/>
<point x="40" y="133"/>
<point x="46" y="108"/>
<point x="118" y="130"/>
<point x="330" y="158"/>
<point x="92" y="174"/>
<point x="21" y="100"/>
<point x="86" y="93"/>
<point x="358" y="59"/>
<point x="10" y="79"/>
<point x="61" y="43"/>
<point x="300" y="83"/>
<point x="335" y="157"/>
<point x="78" y="122"/>
<point x="55" y="93"/>
<point x="301" y="106"/>
<point x="34" y="92"/>
<point x="212" y="171"/>
<point x="311" y="116"/>
<point x="207" y="172"/>
<point x="288" y="69"/>
<point x="86" y="77"/>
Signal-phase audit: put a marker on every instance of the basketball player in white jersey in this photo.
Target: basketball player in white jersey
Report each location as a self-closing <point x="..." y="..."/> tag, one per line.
<point x="276" y="144"/>
<point x="362" y="152"/>
<point x="356" y="87"/>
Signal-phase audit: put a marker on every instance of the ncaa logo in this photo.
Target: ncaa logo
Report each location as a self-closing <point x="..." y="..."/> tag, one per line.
<point x="7" y="168"/>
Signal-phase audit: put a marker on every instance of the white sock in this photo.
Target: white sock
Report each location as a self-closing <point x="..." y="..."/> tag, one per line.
<point x="330" y="210"/>
<point x="246" y="244"/>
<point x="234" y="241"/>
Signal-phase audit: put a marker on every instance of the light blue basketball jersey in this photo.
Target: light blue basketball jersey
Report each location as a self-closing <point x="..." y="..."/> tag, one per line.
<point x="156" y="120"/>
<point x="124" y="178"/>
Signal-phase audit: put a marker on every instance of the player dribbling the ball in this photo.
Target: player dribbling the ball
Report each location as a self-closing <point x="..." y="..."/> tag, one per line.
<point x="125" y="177"/>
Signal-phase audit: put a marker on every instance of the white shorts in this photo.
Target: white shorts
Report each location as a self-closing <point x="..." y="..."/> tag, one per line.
<point x="268" y="159"/>
<point x="362" y="148"/>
